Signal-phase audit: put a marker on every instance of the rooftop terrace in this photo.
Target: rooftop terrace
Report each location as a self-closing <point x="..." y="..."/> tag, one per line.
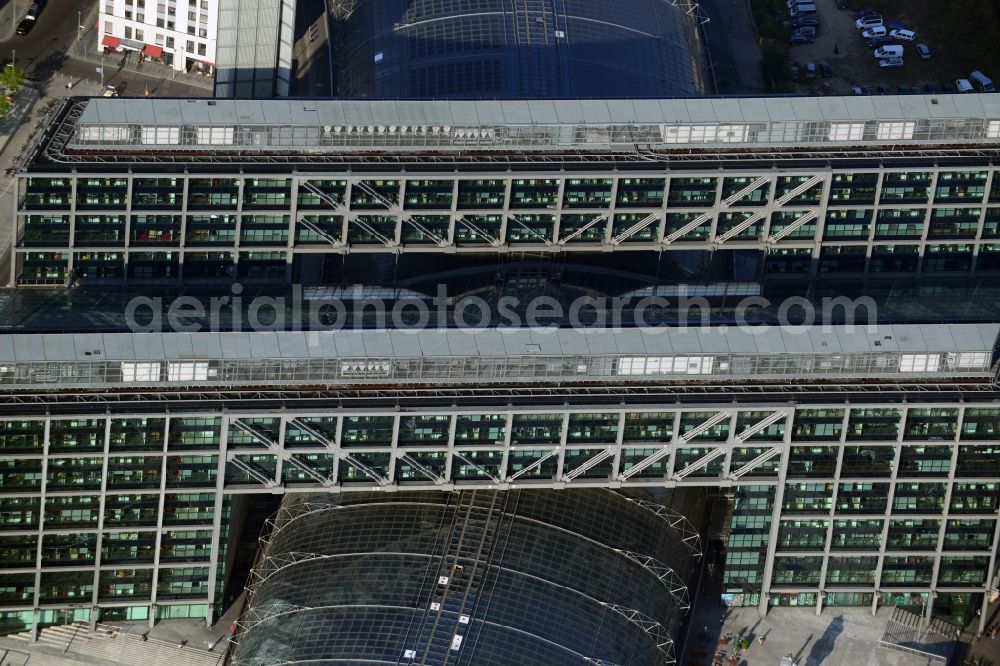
<point x="191" y="130"/>
<point x="885" y="354"/>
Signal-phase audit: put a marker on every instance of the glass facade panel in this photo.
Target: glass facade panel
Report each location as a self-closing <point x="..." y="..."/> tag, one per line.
<point x="857" y="534"/>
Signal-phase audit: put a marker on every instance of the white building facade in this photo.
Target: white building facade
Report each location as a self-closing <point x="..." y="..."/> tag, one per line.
<point x="179" y="33"/>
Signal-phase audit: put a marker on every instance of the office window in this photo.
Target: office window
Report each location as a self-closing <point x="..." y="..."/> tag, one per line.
<point x="161" y="135"/>
<point x="170" y="42"/>
<point x="186" y="371"/>
<point x="201" y="49"/>
<point x="704" y="133"/>
<point x="133" y="371"/>
<point x="190" y="46"/>
<point x="128" y="32"/>
<point x="974" y="360"/>
<point x="138" y="34"/>
<point x="109" y="28"/>
<point x="895" y="130"/>
<point x="846" y="131"/>
<point x="662" y="365"/>
<point x="919" y="362"/>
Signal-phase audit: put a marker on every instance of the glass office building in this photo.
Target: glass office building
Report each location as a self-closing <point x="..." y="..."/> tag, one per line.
<point x="477" y="577"/>
<point x="863" y="463"/>
<point x="207" y="192"/>
<point x="538" y="49"/>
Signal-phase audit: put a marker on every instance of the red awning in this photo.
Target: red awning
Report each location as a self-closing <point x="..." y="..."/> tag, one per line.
<point x="152" y="51"/>
<point x="111" y="42"/>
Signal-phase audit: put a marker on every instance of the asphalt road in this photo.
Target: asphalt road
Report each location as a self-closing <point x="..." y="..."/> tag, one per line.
<point x="46" y="46"/>
<point x="46" y="50"/>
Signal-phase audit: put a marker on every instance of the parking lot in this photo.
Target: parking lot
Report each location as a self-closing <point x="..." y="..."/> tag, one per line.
<point x="839" y="44"/>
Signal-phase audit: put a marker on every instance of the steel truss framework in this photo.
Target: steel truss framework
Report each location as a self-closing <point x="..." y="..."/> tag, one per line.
<point x="291" y="512"/>
<point x="801" y="211"/>
<point x="702" y="443"/>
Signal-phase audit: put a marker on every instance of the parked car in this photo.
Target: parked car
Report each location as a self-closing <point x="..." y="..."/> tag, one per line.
<point x="879" y="41"/>
<point x="807" y="30"/>
<point x="873" y="32"/>
<point x="25" y="26"/>
<point x="889" y="51"/>
<point x="110" y="91"/>
<point x="915" y="90"/>
<point x="802" y="10"/>
<point x="964" y="86"/>
<point x="981" y="82"/>
<point x="798" y="38"/>
<point x="905" y="35"/>
<point x="825" y="70"/>
<point x="947" y="87"/>
<point x="884" y="90"/>
<point x="890" y="62"/>
<point x="924" y="51"/>
<point x="868" y="21"/>
<point x="868" y="90"/>
<point x="806" y="20"/>
<point x="865" y="12"/>
<point x="930" y="88"/>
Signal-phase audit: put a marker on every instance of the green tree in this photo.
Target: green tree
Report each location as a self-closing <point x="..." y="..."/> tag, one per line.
<point x="12" y="79"/>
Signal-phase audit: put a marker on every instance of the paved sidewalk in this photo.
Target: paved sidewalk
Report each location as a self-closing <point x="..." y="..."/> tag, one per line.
<point x="839" y="636"/>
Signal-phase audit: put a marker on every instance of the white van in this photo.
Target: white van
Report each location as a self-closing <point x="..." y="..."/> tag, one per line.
<point x="981" y="82"/>
<point x="905" y="35"/>
<point x="889" y="51"/>
<point x="963" y="86"/>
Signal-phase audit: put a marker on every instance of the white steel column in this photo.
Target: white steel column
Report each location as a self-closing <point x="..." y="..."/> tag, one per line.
<point x="220" y="484"/>
<point x="772" y="539"/>
<point x="162" y="503"/>
<point x="41" y="528"/>
<point x="98" y="541"/>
